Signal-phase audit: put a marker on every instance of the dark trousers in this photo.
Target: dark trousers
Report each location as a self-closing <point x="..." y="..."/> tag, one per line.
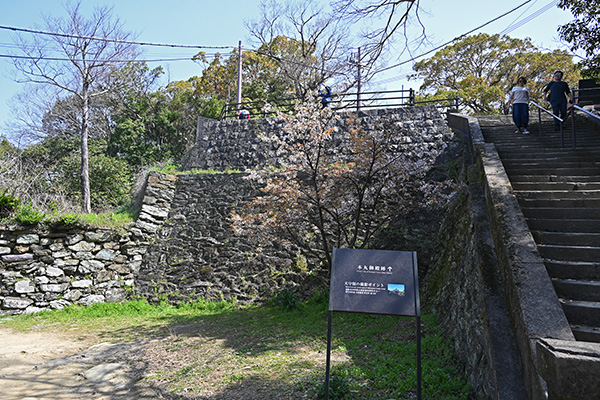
<point x="559" y="109"/>
<point x="521" y="114"/>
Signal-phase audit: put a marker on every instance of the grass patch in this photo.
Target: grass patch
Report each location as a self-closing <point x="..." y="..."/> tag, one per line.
<point x="270" y="351"/>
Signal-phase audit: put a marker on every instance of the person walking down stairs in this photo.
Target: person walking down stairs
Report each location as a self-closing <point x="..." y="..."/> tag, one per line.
<point x="556" y="93"/>
<point x="519" y="100"/>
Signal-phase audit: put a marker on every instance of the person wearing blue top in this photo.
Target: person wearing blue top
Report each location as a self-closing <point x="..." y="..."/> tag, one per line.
<point x="557" y="92"/>
<point x="326" y="96"/>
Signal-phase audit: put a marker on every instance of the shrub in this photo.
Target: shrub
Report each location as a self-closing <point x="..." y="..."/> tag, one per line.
<point x="26" y="214"/>
<point x="8" y="204"/>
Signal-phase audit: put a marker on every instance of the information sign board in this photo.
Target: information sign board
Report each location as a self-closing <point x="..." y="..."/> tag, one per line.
<point x="375" y="282"/>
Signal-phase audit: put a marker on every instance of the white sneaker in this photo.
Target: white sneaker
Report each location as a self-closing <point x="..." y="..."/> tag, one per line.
<point x="525" y="132"/>
<point x="518" y="131"/>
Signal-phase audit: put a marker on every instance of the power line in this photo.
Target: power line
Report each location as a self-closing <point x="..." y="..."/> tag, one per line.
<point x="530" y="17"/>
<point x="108" y="61"/>
<point x="453" y="40"/>
<point x="185" y="46"/>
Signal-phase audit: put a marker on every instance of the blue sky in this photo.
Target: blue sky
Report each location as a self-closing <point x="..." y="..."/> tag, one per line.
<point x="221" y="23"/>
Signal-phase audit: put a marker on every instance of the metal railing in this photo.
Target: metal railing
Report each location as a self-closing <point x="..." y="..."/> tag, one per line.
<point x="443" y="104"/>
<point x="257" y="109"/>
<point x="338" y="102"/>
<point x="379" y="99"/>
<point x="586" y="96"/>
<point x="570" y="112"/>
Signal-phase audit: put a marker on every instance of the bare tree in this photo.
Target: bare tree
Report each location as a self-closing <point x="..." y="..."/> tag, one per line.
<point x="75" y="59"/>
<point x="310" y="43"/>
<point x="383" y="22"/>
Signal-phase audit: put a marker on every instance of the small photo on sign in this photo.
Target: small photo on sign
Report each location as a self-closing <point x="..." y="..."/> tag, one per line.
<point x="395" y="289"/>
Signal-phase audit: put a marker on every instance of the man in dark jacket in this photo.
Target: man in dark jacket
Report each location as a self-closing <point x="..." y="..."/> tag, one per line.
<point x="557" y="92"/>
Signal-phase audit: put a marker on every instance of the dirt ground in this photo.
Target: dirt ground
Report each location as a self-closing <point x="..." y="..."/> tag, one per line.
<point x="55" y="366"/>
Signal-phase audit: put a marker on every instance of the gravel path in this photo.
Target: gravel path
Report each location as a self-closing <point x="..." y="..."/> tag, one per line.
<point x="42" y="365"/>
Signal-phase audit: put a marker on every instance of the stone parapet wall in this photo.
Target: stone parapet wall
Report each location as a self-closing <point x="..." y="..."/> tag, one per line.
<point x="555" y="366"/>
<point x="237" y="144"/>
<point x="50" y="268"/>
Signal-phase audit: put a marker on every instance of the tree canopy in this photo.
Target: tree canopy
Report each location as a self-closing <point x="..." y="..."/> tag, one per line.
<point x="583" y="33"/>
<point x="481" y="69"/>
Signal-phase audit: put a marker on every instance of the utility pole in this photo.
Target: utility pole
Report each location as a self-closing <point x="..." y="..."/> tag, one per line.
<point x="239" y="82"/>
<point x="359" y="89"/>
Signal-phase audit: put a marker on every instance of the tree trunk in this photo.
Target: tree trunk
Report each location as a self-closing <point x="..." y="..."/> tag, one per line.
<point x="85" y="176"/>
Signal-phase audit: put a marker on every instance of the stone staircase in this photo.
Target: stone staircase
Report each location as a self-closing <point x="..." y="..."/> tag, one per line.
<point x="558" y="190"/>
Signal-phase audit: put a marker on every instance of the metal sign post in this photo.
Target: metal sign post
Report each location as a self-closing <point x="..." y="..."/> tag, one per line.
<point x="374" y="282"/>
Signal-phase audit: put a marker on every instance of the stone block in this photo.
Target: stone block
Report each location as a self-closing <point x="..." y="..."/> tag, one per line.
<point x="21" y="249"/>
<point x="16" y="303"/>
<point x="33" y="310"/>
<point x="13" y="258"/>
<point x="155" y="212"/>
<point x="115" y="295"/>
<point x="59" y="304"/>
<point x="73" y="239"/>
<point x="571" y="369"/>
<point x="82" y="246"/>
<point x="56" y="247"/>
<point x="73" y="295"/>
<point x="41" y="280"/>
<point x="91" y="299"/>
<point x="100" y="236"/>
<point x="90" y="266"/>
<point x="28" y="239"/>
<point x="82" y="284"/>
<point x="54" y="272"/>
<point x="24" y="286"/>
<point x="105" y="254"/>
<point x="61" y="254"/>
<point x="54" y="287"/>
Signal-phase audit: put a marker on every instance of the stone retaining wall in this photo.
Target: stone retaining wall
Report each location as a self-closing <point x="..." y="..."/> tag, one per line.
<point x="52" y="267"/>
<point x="198" y="255"/>
<point x="237" y="144"/>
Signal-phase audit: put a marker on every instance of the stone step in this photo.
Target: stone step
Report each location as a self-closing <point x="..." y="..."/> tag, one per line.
<point x="559" y="203"/>
<point x="518" y="154"/>
<point x="567" y="238"/>
<point x="554" y="178"/>
<point x="569" y="253"/>
<point x="578" y="290"/>
<point x="545" y="170"/>
<point x="561" y="213"/>
<point x="573" y="269"/>
<point x="556" y="186"/>
<point x="557" y="194"/>
<point x="578" y="162"/>
<point x="581" y="312"/>
<point x="562" y="225"/>
<point x="586" y="333"/>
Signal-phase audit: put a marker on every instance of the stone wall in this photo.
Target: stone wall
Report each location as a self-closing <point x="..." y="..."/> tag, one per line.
<point x="237" y="144"/>
<point x="50" y="267"/>
<point x="198" y="255"/>
<point x="182" y="246"/>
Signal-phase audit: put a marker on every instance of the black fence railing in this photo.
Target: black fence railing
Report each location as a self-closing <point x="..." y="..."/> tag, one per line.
<point x="339" y="102"/>
<point x="587" y="96"/>
<point x="257" y="109"/>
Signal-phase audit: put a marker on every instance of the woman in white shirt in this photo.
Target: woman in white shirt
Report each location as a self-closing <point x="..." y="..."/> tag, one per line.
<point x="519" y="100"/>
